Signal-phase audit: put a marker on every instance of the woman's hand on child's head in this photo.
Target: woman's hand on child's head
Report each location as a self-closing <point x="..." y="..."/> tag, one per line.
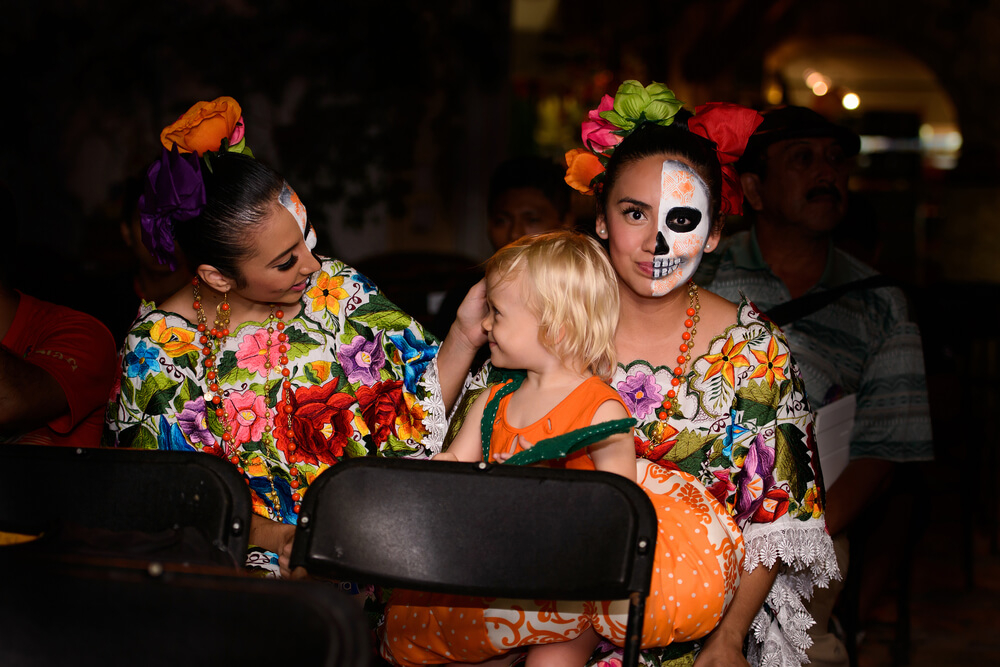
<point x="469" y="318"/>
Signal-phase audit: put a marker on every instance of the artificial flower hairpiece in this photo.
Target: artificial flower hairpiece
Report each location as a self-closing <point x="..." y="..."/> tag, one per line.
<point x="175" y="187"/>
<point x="728" y="126"/>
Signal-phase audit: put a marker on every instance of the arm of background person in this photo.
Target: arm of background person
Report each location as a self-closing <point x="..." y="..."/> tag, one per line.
<point x="29" y="396"/>
<point x="861" y="480"/>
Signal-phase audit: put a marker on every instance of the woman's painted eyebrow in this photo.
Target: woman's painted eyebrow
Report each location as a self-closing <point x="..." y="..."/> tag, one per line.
<point x="277" y="259"/>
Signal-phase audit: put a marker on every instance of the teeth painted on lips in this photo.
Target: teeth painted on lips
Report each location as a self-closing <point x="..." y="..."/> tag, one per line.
<point x="664" y="266"/>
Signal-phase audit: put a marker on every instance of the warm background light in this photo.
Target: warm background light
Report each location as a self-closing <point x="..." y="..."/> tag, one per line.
<point x="851" y="101"/>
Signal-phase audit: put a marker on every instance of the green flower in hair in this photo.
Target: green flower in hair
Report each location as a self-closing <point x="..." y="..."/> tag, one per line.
<point x="635" y="104"/>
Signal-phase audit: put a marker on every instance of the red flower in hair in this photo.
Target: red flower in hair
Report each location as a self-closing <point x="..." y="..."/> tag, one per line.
<point x="729" y="126"/>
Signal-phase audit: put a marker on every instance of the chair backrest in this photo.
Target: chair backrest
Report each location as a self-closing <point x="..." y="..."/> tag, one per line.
<point x="478" y="529"/>
<point x="109" y="616"/>
<point x="45" y="488"/>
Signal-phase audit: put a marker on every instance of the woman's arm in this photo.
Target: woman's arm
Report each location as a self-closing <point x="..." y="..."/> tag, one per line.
<point x="275" y="537"/>
<point x="724" y="647"/>
<point x="467" y="445"/>
<point x="459" y="348"/>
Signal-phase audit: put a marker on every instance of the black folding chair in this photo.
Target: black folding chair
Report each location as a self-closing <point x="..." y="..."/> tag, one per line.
<point x="146" y="503"/>
<point x="478" y="529"/>
<point x="106" y="616"/>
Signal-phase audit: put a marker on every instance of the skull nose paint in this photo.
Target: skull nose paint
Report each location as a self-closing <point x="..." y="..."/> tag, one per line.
<point x="661" y="245"/>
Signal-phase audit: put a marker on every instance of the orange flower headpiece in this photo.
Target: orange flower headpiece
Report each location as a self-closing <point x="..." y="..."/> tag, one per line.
<point x="728" y="126"/>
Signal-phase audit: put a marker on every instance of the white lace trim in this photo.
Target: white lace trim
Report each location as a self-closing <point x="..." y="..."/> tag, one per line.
<point x="807" y="560"/>
<point x="435" y="416"/>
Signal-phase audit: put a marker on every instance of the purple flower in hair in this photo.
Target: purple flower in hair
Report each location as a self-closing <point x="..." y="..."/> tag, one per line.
<point x="175" y="191"/>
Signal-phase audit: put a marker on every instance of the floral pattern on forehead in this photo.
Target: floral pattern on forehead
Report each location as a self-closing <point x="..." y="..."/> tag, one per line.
<point x="682" y="229"/>
<point x="290" y="200"/>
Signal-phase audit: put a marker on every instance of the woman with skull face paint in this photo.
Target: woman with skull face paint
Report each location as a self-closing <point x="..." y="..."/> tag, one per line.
<point x="274" y="359"/>
<point x="712" y="385"/>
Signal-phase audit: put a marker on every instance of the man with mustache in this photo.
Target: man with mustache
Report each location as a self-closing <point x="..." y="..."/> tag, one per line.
<point x="848" y="330"/>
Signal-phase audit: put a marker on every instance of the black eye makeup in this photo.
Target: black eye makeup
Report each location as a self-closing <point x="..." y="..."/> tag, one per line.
<point x="683" y="219"/>
<point x="287" y="264"/>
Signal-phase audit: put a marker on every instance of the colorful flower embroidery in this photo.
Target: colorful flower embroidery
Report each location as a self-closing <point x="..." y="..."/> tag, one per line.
<point x="362" y="359"/>
<point x="175" y="341"/>
<point x="416" y="354"/>
<point x="327" y="293"/>
<point x="771" y="363"/>
<point x="193" y="421"/>
<point x="143" y="360"/>
<point x="256" y="356"/>
<point x="248" y="416"/>
<point x="641" y="393"/>
<point x="380" y="405"/>
<point x="726" y="361"/>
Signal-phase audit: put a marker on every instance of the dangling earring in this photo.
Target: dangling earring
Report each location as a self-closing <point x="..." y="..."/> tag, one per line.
<point x="222" y="315"/>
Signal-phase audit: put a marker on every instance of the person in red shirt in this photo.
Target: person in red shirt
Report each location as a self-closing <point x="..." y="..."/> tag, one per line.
<point x="57" y="366"/>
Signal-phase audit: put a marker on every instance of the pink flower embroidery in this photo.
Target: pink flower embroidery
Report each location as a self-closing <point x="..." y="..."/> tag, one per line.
<point x="248" y="415"/>
<point x="254" y="353"/>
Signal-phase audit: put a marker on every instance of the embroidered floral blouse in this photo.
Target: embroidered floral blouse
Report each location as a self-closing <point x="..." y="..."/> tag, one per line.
<point x="363" y="383"/>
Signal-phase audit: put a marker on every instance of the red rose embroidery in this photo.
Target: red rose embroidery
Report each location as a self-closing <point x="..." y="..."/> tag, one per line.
<point x="380" y="405"/>
<point x="322" y="421"/>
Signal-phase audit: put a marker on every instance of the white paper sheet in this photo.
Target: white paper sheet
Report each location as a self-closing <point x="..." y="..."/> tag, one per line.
<point x="834" y="424"/>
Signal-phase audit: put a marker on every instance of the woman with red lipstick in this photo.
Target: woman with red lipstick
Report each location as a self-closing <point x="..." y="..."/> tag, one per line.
<point x="273" y="358"/>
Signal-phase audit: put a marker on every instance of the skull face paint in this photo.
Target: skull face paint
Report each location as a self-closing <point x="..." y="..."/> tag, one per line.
<point x="290" y="200"/>
<point x="683" y="227"/>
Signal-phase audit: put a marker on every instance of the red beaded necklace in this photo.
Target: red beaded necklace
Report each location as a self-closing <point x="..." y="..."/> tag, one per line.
<point x="212" y="340"/>
<point x="687" y="343"/>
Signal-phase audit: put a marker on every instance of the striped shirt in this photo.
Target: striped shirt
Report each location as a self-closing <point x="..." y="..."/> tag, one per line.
<point x="862" y="343"/>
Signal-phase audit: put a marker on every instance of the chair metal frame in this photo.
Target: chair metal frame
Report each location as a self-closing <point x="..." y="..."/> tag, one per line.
<point x="480" y="529"/>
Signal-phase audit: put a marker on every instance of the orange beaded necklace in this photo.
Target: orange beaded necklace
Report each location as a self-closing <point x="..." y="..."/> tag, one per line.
<point x="212" y="341"/>
<point x="687" y="343"/>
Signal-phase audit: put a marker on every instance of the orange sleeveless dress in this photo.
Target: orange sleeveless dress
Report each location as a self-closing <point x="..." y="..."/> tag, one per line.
<point x="699" y="551"/>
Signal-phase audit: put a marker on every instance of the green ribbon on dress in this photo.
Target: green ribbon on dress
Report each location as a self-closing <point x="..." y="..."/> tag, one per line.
<point x="548" y="449"/>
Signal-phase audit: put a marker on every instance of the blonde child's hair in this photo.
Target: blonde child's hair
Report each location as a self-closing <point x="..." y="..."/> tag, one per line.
<point x="573" y="292"/>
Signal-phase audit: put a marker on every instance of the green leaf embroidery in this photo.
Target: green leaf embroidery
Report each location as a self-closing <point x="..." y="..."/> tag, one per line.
<point x="791" y="456"/>
<point x="151" y="386"/>
<point x="688" y="442"/>
<point x="226" y="364"/>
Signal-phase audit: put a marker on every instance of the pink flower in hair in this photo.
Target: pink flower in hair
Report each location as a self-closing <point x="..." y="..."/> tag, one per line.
<point x="598" y="134"/>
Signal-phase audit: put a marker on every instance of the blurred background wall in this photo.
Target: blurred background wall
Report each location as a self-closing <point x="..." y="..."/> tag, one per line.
<point x="389" y="117"/>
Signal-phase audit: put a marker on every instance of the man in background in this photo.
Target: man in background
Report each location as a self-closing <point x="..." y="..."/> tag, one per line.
<point x="848" y="331"/>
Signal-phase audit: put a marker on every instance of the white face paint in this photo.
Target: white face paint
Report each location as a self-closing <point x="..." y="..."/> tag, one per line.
<point x="683" y="227"/>
<point x="291" y="201"/>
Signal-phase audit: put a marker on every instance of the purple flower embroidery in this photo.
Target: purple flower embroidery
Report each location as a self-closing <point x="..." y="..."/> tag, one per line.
<point x="641" y="393"/>
<point x="362" y="359"/>
<point x="194" y="423"/>
<point x="754" y="479"/>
